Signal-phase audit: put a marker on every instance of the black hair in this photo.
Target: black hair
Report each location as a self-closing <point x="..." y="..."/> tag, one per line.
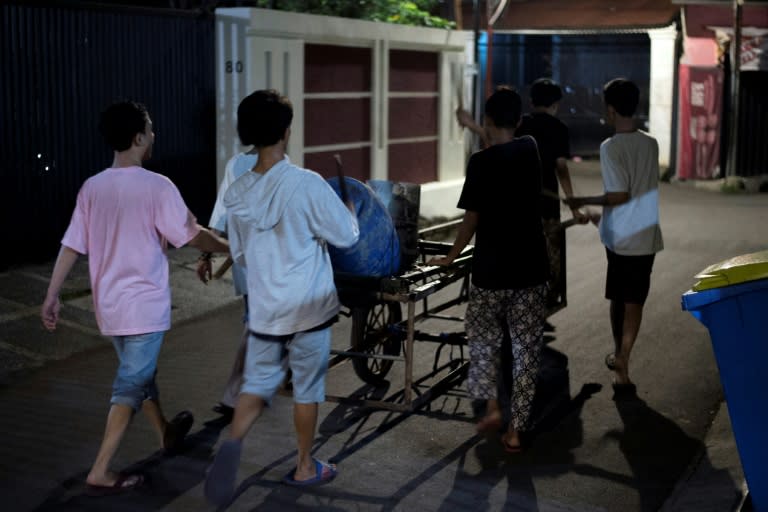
<point x="503" y="107"/>
<point x="623" y="95"/>
<point x="263" y="117"/>
<point x="120" y="122"/>
<point x="545" y="92"/>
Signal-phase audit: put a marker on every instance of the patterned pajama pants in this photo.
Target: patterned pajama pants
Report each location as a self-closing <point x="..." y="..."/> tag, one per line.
<point x="492" y="315"/>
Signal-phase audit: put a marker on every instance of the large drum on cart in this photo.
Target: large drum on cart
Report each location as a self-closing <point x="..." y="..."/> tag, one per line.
<point x="358" y="270"/>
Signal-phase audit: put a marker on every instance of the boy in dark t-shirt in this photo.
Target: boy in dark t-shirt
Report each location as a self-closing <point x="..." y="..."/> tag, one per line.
<point x="501" y="199"/>
<point x="552" y="139"/>
<point x="551" y="136"/>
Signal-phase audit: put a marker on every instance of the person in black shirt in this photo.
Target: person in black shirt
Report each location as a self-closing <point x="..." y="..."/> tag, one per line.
<point x="551" y="136"/>
<point x="501" y="199"/>
<point x="552" y="139"/>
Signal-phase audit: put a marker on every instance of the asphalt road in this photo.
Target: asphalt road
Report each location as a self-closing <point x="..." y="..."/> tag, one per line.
<point x="590" y="453"/>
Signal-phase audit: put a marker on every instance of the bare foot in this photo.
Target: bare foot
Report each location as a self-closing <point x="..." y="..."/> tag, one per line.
<point x="491" y="422"/>
<point x="511" y="441"/>
<point x="110" y="478"/>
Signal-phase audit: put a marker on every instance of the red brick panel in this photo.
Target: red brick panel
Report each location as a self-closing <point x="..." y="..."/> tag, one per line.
<point x="412" y="117"/>
<point x="411" y="71"/>
<point x="414" y="162"/>
<point x="336" y="121"/>
<point x="356" y="163"/>
<point x="329" y="68"/>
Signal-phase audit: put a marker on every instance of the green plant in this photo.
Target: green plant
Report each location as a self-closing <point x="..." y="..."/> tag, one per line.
<point x="414" y="12"/>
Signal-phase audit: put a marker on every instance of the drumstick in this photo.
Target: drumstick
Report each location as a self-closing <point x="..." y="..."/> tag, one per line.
<point x="550" y="194"/>
<point x="223" y="268"/>
<point x="342" y="181"/>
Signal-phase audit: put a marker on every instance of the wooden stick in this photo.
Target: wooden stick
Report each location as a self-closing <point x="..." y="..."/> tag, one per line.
<point x="223" y="268"/>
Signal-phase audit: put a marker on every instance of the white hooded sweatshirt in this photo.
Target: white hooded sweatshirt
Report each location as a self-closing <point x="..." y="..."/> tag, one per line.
<point x="279" y="225"/>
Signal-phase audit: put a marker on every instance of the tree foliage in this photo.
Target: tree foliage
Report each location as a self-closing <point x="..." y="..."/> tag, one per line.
<point x="414" y="12"/>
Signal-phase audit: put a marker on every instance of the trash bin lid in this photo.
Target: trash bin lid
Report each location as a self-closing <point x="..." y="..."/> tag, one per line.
<point x="740" y="269"/>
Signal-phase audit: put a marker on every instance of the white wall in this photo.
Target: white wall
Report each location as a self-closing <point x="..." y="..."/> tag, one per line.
<point x="273" y="40"/>
<point x="662" y="89"/>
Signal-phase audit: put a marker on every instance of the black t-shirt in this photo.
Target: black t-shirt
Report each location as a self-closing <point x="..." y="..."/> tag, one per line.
<point x="503" y="185"/>
<point x="551" y="136"/>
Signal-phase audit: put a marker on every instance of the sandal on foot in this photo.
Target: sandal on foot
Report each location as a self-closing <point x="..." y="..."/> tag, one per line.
<point x="175" y="432"/>
<point x="124" y="483"/>
<point x="223" y="409"/>
<point x="220" y="481"/>
<point x="324" y="473"/>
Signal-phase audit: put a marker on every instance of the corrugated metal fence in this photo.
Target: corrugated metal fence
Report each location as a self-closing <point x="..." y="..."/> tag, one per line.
<point x="59" y="67"/>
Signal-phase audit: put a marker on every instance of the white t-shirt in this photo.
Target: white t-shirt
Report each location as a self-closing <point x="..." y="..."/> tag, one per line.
<point x="280" y="224"/>
<point x="238" y="165"/>
<point x="630" y="163"/>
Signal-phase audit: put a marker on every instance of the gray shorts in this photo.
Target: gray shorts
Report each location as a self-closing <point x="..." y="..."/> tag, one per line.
<point x="268" y="359"/>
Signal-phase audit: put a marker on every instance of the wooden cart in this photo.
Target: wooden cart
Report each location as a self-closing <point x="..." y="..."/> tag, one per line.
<point x="382" y="336"/>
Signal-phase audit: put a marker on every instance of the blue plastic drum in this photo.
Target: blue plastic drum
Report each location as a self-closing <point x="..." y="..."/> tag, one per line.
<point x="377" y="252"/>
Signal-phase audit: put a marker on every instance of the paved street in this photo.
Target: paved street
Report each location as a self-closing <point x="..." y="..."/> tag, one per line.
<point x="589" y="453"/>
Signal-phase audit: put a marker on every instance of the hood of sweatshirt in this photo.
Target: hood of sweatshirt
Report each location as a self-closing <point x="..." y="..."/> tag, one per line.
<point x="261" y="199"/>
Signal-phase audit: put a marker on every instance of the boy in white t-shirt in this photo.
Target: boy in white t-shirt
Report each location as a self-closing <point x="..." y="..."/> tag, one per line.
<point x="629" y="227"/>
<point x="241" y="163"/>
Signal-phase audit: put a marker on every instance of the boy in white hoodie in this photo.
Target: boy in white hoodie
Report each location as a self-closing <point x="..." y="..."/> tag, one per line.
<point x="280" y="219"/>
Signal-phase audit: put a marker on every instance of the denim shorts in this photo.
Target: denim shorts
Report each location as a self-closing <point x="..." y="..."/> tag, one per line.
<point x="135" y="380"/>
<point x="267" y="361"/>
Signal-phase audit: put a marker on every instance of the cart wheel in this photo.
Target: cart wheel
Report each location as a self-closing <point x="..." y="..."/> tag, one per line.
<point x="371" y="334"/>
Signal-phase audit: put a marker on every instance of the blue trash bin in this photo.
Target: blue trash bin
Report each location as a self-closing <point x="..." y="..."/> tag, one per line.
<point x="737" y="318"/>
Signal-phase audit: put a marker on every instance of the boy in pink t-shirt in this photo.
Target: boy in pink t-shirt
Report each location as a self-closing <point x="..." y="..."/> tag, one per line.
<point x="123" y="220"/>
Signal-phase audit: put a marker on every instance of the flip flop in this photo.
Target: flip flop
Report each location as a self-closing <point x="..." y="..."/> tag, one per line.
<point x="176" y="431"/>
<point x="610" y="361"/>
<point x="124" y="483"/>
<point x="223" y="409"/>
<point x="220" y="482"/>
<point x="324" y="473"/>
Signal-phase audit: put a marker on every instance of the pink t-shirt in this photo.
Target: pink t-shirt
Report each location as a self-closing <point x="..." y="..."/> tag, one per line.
<point x="123" y="219"/>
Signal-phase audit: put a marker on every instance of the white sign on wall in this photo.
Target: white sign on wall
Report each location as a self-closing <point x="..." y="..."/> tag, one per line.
<point x="754" y="46"/>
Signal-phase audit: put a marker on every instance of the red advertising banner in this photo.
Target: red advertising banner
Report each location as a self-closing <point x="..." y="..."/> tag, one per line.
<point x="701" y="100"/>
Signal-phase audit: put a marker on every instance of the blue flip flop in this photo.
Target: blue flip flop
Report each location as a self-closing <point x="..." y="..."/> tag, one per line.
<point x="324" y="473"/>
<point x="220" y="482"/>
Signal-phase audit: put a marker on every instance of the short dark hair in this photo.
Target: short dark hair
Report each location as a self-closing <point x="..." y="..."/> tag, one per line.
<point x="545" y="92"/>
<point x="121" y="121"/>
<point x="623" y="95"/>
<point x="263" y="117"/>
<point x="503" y="107"/>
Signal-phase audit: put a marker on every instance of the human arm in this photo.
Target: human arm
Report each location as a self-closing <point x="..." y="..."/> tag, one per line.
<point x="51" y="305"/>
<point x="564" y="178"/>
<point x="607" y="199"/>
<point x="466" y="231"/>
<point x="465" y="120"/>
<point x="330" y="219"/>
<point x="615" y="182"/>
<point x="207" y="241"/>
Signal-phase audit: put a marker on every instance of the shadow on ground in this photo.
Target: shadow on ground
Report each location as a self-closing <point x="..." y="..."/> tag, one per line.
<point x="166" y="478"/>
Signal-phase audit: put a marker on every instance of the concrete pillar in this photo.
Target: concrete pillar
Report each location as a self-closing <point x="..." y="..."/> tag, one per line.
<point x="662" y="89"/>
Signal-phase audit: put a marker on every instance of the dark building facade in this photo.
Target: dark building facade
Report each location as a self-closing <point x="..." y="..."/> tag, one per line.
<point x="60" y="67"/>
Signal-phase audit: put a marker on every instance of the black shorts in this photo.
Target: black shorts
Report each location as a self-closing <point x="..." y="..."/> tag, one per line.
<point x="629" y="277"/>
